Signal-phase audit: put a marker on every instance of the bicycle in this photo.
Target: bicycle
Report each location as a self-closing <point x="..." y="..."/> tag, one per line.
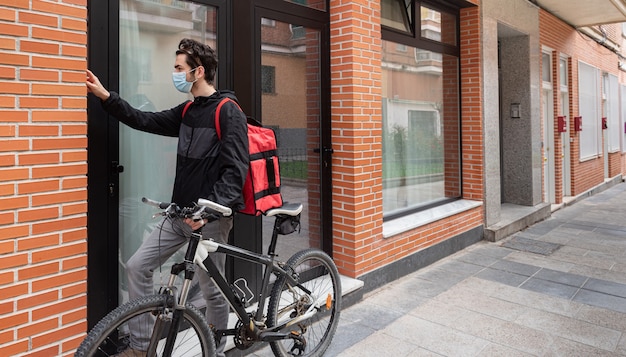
<point x="300" y="318"/>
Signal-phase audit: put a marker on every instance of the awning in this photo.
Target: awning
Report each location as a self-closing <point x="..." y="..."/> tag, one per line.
<point x="581" y="13"/>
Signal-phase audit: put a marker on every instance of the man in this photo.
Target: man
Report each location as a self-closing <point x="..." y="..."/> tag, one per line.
<point x="206" y="167"/>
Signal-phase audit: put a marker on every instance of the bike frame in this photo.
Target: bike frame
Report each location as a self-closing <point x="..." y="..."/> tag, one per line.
<point x="271" y="267"/>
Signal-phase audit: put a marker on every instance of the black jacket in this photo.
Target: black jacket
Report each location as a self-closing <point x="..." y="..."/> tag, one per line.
<point x="206" y="166"/>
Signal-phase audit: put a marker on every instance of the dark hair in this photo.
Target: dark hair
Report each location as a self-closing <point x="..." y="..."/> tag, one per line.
<point x="199" y="54"/>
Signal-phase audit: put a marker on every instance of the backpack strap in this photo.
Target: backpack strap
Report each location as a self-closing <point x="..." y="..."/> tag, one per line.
<point x="217" y="115"/>
<point x="187" y="105"/>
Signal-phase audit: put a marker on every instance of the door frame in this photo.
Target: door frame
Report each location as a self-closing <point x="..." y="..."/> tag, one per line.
<point x="237" y="70"/>
<point x="103" y="153"/>
<point x="247" y="81"/>
<point x="548" y="145"/>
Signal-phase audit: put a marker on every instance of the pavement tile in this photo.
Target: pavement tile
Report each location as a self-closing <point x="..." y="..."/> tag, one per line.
<point x="440" y="276"/>
<point x="561" y="277"/>
<point x="477" y="301"/>
<point x="601" y="300"/>
<point x="599" y="273"/>
<point x="435" y="337"/>
<point x="494" y="349"/>
<point x="571" y="329"/>
<point x="580" y="260"/>
<point x="562" y="347"/>
<point x="348" y="334"/>
<point x="402" y="299"/>
<point x="515" y="267"/>
<point x="460" y="267"/>
<point x="539" y="301"/>
<point x="607" y="287"/>
<point x="550" y="288"/>
<point x="502" y="276"/>
<point x="478" y="259"/>
<point x="371" y="314"/>
<point x="506" y="333"/>
<point x="379" y="344"/>
<point x="602" y="317"/>
<point x="621" y="346"/>
<point x="540" y="261"/>
<point x="489" y="249"/>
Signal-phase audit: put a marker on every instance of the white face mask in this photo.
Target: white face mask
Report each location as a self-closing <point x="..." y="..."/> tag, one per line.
<point x="180" y="81"/>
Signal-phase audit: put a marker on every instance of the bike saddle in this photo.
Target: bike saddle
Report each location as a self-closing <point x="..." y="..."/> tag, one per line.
<point x="290" y="209"/>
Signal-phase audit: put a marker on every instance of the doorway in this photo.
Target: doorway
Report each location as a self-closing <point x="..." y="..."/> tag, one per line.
<point x="134" y="56"/>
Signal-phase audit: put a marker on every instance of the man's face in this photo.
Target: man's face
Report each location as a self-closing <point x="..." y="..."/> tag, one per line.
<point x="180" y="65"/>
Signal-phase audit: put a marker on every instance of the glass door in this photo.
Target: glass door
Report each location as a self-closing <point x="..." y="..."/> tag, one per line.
<point x="149" y="33"/>
<point x="290" y="104"/>
<point x="281" y="77"/>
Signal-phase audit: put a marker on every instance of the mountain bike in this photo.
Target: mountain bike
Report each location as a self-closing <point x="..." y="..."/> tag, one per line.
<point x="300" y="317"/>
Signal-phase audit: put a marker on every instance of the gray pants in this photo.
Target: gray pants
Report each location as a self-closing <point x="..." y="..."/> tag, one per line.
<point x="164" y="241"/>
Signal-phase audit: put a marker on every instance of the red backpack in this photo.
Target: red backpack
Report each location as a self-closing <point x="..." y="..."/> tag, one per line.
<point x="261" y="190"/>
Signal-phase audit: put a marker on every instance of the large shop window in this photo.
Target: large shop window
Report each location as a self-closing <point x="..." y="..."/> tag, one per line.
<point x="421" y="135"/>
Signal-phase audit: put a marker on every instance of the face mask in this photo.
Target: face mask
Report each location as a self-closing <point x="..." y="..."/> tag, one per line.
<point x="180" y="81"/>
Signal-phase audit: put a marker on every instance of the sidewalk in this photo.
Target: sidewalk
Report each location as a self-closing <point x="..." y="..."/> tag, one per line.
<point x="557" y="288"/>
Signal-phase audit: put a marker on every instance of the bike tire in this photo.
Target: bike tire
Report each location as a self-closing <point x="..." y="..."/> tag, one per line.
<point x="110" y="335"/>
<point x="316" y="271"/>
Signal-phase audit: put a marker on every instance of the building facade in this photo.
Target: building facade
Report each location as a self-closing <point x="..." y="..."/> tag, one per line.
<point x="409" y="129"/>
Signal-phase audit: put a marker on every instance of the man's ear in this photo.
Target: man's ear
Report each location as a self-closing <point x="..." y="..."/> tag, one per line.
<point x="201" y="72"/>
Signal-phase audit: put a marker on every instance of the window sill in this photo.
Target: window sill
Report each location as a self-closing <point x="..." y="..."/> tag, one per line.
<point x="415" y="220"/>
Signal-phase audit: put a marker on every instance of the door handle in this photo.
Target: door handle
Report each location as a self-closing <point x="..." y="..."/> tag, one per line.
<point x="325" y="149"/>
<point x="116" y="168"/>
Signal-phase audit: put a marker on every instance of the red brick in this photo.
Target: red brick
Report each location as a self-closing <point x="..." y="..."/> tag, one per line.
<point x="36" y="214"/>
<point x="37" y="299"/>
<point x="38" y="19"/>
<point x="64" y="251"/>
<point x="7" y="72"/>
<point x="28" y="74"/>
<point x="34" y="242"/>
<point x="38" y="186"/>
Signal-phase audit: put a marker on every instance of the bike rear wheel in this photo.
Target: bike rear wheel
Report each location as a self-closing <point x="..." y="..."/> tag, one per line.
<point x="110" y="337"/>
<point x="309" y="309"/>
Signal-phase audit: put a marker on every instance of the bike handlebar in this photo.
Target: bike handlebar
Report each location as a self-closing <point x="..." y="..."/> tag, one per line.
<point x="161" y="205"/>
<point x="225" y="211"/>
<point x="205" y="209"/>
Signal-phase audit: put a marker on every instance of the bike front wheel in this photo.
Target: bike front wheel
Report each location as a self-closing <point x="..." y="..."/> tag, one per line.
<point x="148" y="319"/>
<point x="308" y="309"/>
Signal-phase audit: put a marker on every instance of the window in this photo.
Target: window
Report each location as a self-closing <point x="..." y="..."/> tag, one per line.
<point x="420" y="130"/>
<point x="589" y="99"/>
<point x="268" y="79"/>
<point x="563" y="73"/>
<point x="268" y="22"/>
<point x="421" y="110"/>
<point x="397" y="14"/>
<point x="437" y="25"/>
<point x="546" y="75"/>
<point x="314" y="4"/>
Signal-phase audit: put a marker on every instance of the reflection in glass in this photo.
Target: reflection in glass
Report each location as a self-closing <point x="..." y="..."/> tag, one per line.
<point x="438" y="26"/>
<point x="290" y="103"/>
<point x="397" y="14"/>
<point x="149" y="35"/>
<point x="421" y="162"/>
<point x="314" y="4"/>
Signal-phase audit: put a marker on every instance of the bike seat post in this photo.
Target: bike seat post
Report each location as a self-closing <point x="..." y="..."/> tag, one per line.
<point x="272" y="248"/>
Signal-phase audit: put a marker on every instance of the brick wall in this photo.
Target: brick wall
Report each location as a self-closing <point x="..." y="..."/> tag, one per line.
<point x="564" y="39"/>
<point x="43" y="184"/>
<point x="356" y="132"/>
<point x="359" y="246"/>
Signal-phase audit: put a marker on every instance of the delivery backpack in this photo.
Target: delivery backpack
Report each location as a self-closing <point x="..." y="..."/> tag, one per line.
<point x="261" y="190"/>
